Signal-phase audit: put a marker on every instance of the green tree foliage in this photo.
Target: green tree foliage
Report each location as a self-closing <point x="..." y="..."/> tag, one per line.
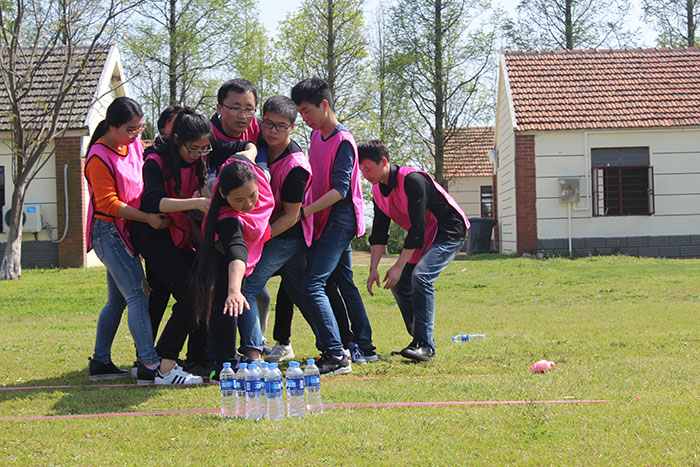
<point x="177" y="50"/>
<point x="327" y="38"/>
<point x="440" y="53"/>
<point x="676" y="21"/>
<point x="568" y="24"/>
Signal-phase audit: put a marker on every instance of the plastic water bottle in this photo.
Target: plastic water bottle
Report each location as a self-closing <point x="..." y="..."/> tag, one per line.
<point x="263" y="389"/>
<point x="228" y="394"/>
<point x="295" y="391"/>
<point x="240" y="391"/>
<point x="275" y="393"/>
<point x="469" y="338"/>
<point x="252" y="392"/>
<point x="312" y="381"/>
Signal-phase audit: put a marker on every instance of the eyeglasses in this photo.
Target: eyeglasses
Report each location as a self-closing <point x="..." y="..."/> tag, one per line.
<point x="201" y="152"/>
<point x="241" y="112"/>
<point x="134" y="131"/>
<point x="270" y="125"/>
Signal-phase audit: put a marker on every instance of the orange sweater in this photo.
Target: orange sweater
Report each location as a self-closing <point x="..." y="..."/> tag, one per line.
<point x="103" y="187"/>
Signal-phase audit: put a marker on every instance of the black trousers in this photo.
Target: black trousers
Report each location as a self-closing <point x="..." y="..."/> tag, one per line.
<point x="222" y="328"/>
<point x="170" y="268"/>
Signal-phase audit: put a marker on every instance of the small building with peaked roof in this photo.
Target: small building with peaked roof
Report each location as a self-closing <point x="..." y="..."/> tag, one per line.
<point x="598" y="152"/>
<point x="47" y="208"/>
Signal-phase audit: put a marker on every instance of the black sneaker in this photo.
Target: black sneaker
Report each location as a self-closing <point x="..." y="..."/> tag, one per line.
<point x="370" y="355"/>
<point x="418" y="351"/>
<point x="98" y="371"/>
<point x="330" y="364"/>
<point x="145" y="376"/>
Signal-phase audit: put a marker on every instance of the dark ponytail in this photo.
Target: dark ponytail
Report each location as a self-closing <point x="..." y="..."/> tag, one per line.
<point x="119" y="112"/>
<point x="233" y="175"/>
<point x="189" y="125"/>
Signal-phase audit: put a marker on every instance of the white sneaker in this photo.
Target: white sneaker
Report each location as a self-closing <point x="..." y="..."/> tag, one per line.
<point x="280" y="353"/>
<point x="178" y="376"/>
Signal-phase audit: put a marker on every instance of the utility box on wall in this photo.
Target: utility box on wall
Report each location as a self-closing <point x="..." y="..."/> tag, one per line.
<point x="569" y="191"/>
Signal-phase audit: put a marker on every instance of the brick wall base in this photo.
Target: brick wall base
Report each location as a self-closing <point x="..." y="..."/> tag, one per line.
<point x="663" y="246"/>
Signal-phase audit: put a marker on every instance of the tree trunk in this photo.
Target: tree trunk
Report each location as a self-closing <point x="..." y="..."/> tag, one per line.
<point x="172" y="59"/>
<point x="11" y="267"/>
<point x="569" y="26"/>
<point x="330" y="48"/>
<point x="691" y="23"/>
<point x="439" y="132"/>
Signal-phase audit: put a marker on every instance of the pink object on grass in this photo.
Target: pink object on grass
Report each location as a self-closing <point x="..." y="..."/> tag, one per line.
<point x="542" y="366"/>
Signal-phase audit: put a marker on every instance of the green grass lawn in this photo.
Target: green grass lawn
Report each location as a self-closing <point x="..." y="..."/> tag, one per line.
<point x="620" y="329"/>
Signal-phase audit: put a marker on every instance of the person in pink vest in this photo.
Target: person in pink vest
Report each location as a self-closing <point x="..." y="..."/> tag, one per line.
<point x="235" y="231"/>
<point x="338" y="216"/>
<point x="173" y="175"/>
<point x="290" y="176"/>
<point x="436" y="227"/>
<point x="113" y="172"/>
<point x="235" y="120"/>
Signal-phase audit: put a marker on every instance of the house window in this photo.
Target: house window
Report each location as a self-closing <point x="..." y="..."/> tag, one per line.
<point x="623" y="182"/>
<point x="487" y="201"/>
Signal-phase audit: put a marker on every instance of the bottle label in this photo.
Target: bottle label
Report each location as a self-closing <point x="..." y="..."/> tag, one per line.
<point x="295" y="384"/>
<point x="258" y="385"/>
<point x="273" y="388"/>
<point x="226" y="384"/>
<point x="249" y="385"/>
<point x="312" y="380"/>
<point x="240" y="385"/>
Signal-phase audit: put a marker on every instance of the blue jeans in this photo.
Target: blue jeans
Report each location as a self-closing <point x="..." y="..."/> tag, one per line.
<point x="287" y="254"/>
<point x="125" y="287"/>
<point x="415" y="293"/>
<point x="331" y="255"/>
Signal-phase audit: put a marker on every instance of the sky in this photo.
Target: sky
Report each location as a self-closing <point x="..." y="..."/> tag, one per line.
<point x="275" y="10"/>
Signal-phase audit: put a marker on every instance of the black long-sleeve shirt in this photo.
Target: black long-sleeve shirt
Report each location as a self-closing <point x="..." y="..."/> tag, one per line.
<point x="422" y="195"/>
<point x="293" y="188"/>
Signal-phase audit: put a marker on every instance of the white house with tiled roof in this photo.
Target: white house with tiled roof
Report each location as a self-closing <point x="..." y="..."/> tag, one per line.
<point x="468" y="170"/>
<point x="599" y="152"/>
<point x="45" y="202"/>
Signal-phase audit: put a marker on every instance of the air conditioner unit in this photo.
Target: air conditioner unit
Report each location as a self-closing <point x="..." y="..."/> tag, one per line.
<point x="31" y="218"/>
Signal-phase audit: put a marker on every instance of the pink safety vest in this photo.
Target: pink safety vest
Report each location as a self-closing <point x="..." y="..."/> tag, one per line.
<point x="278" y="173"/>
<point x="180" y="227"/>
<point x="396" y="207"/>
<point x="250" y="134"/>
<point x="255" y="224"/>
<point x="128" y="179"/>
<point x="321" y="157"/>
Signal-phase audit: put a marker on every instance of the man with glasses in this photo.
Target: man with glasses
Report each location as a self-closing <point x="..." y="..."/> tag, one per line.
<point x="234" y="119"/>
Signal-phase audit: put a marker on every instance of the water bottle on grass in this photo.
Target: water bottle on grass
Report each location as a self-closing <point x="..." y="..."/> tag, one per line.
<point x="312" y="381"/>
<point x="295" y="391"/>
<point x="459" y="338"/>
<point x="228" y="393"/>
<point x="274" y="388"/>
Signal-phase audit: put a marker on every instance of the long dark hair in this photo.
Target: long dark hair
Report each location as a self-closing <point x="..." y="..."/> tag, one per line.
<point x="189" y="125"/>
<point x="233" y="175"/>
<point x="119" y="112"/>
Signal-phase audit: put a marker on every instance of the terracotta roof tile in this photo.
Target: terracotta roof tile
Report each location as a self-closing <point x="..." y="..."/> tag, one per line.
<point x="630" y="88"/>
<point x="466" y="153"/>
<point x="45" y="84"/>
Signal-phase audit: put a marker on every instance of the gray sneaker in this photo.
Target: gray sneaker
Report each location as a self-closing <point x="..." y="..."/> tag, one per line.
<point x="280" y="353"/>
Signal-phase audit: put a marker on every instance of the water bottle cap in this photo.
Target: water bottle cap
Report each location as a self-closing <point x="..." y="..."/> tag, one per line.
<point x="294" y="363"/>
<point x="227" y="364"/>
<point x="264" y="364"/>
<point x="253" y="365"/>
<point x="273" y="365"/>
<point x="311" y="361"/>
<point x="242" y="365"/>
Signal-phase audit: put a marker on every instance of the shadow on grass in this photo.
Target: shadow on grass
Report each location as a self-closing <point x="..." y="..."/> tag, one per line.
<point x="78" y="396"/>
